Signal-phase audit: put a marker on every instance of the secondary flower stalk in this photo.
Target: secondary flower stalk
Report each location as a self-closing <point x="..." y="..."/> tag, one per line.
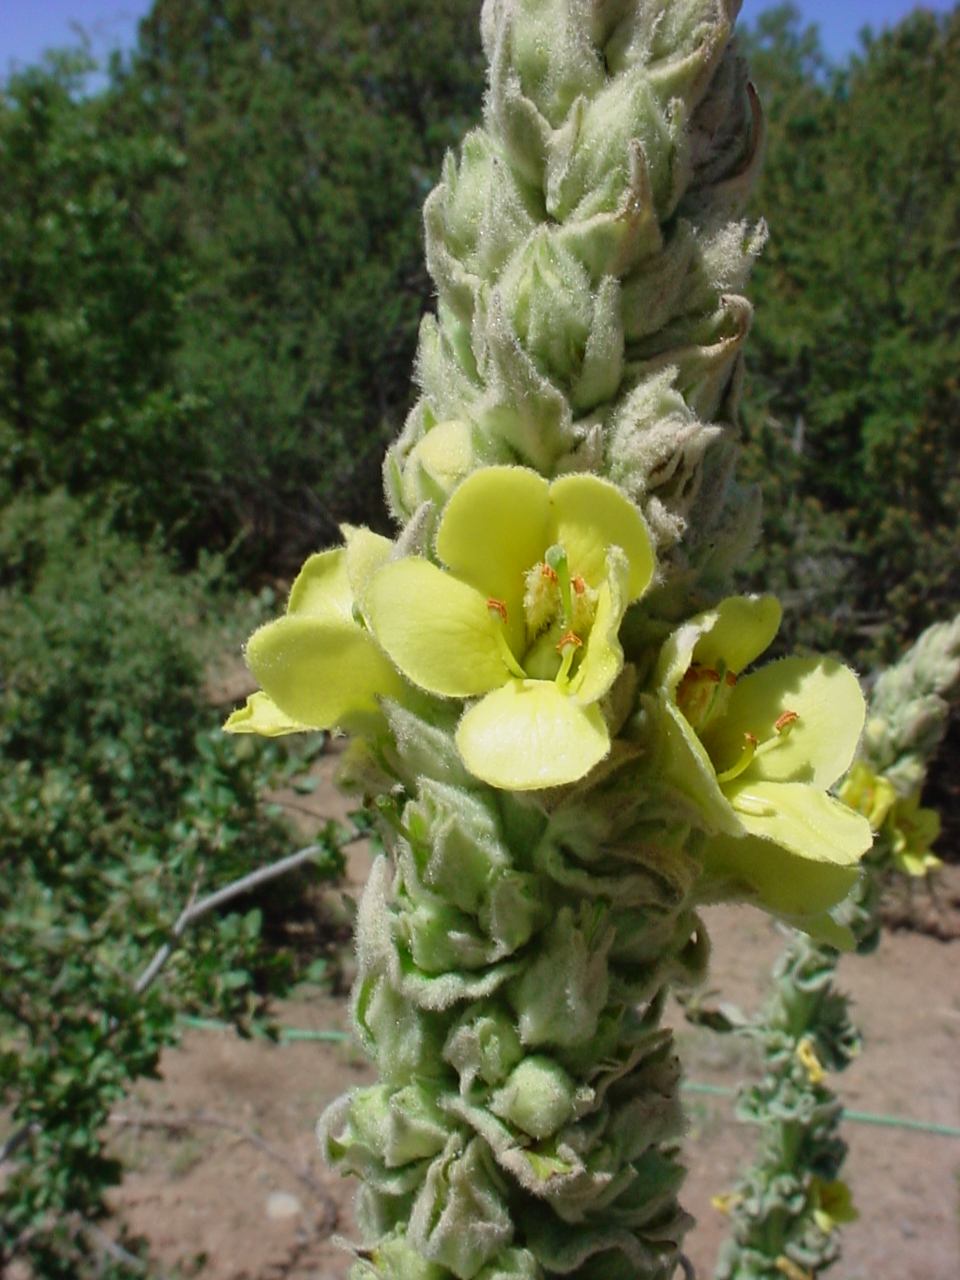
<point x="786" y="1210"/>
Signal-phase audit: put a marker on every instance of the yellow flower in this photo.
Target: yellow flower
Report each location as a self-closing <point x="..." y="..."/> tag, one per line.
<point x="870" y="794"/>
<point x="317" y="666"/>
<point x="807" y="1056"/>
<point x="757" y="754"/>
<point x="524" y="617"/>
<point x="832" y="1204"/>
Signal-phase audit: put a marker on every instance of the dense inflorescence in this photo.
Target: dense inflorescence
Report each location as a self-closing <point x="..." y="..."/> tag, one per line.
<point x="547" y="692"/>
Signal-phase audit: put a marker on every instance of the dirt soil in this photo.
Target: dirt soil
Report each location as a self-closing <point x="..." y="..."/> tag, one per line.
<point x="225" y="1182"/>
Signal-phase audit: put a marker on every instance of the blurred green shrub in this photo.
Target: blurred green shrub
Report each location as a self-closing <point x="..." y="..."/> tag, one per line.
<point x="118" y="801"/>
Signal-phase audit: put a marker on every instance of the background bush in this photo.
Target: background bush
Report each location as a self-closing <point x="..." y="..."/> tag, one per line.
<point x="119" y="800"/>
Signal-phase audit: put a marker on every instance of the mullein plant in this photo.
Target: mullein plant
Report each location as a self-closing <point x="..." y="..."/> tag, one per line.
<point x="541" y="673"/>
<point x="787" y="1207"/>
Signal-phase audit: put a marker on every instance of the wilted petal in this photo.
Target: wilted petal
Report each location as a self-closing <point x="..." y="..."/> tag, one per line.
<point x="263" y="717"/>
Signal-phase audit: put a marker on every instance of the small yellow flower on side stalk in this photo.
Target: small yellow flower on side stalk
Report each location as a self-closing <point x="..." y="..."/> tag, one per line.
<point x="807" y="1056"/>
<point x="911" y="830"/>
<point x="317" y="666"/>
<point x="869" y="793"/>
<point x="524" y="618"/>
<point x="792" y="1270"/>
<point x="726" y="1202"/>
<point x="833" y="1204"/>
<point x="757" y="755"/>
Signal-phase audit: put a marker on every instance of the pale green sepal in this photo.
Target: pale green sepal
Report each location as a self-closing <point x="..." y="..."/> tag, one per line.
<point x="528" y="735"/>
<point x="587" y="516"/>
<point x="262" y="716"/>
<point x="538" y="1098"/>
<point x="818" y="747"/>
<point x="803" y="819"/>
<point x="437" y="629"/>
<point x="745" y="627"/>
<point x="493" y="530"/>
<point x="603" y="656"/>
<point x="322" y="588"/>
<point x="366" y="551"/>
<point x="459" y="1218"/>
<point x="795" y="887"/>
<point x="320" y="671"/>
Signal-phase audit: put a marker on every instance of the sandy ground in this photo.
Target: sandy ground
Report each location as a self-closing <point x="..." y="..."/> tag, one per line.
<point x="224" y="1179"/>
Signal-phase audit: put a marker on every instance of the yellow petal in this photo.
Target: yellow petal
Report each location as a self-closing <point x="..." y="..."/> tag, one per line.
<point x="528" y="735"/>
<point x="588" y="515"/>
<point x="803" y="819"/>
<point x="264" y="717"/>
<point x="320" y="671"/>
<point x="494" y="529"/>
<point x="744" y="627"/>
<point x="791" y="886"/>
<point x="322" y="588"/>
<point x="603" y="657"/>
<point x="816" y="748"/>
<point x="437" y="629"/>
<point x="366" y="551"/>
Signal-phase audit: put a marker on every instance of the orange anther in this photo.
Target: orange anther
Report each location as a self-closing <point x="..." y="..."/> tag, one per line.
<point x="571" y="637"/>
<point x="548" y="573"/>
<point x="751" y="739"/>
<point x="498" y="607"/>
<point x="579" y="585"/>
<point x="788" y="717"/>
<point x="731" y="679"/>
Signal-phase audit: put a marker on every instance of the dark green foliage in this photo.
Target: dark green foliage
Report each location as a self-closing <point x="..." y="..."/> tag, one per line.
<point x="211" y="275"/>
<point x="118" y="800"/>
<point x="90" y="280"/>
<point x="854" y="416"/>
<point x="312" y="132"/>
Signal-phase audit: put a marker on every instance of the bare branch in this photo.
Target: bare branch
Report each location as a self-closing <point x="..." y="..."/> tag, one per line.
<point x="17" y="1139"/>
<point x="194" y="910"/>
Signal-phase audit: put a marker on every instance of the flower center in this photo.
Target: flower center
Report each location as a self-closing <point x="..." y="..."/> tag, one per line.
<point x="704" y="694"/>
<point x="558" y="610"/>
